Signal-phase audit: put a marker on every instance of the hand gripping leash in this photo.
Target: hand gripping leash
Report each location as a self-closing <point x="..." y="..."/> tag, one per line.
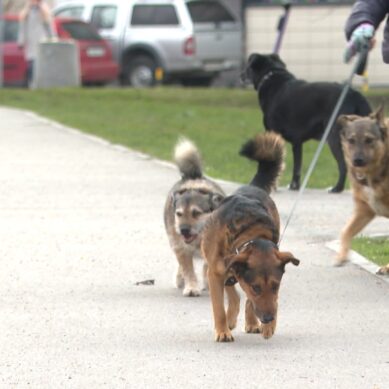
<point x="359" y="69"/>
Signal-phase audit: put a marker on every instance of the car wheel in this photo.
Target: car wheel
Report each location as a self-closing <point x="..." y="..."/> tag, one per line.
<point x="197" y="81"/>
<point x="140" y="72"/>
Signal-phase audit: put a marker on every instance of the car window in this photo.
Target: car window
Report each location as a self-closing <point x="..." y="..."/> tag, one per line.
<point x="11" y="29"/>
<point x="104" y="16"/>
<point x="81" y="31"/>
<point x="208" y="12"/>
<point x="70" y="12"/>
<point x="154" y="15"/>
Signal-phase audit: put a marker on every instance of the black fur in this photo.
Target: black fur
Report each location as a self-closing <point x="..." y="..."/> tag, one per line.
<point x="300" y="110"/>
<point x="267" y="170"/>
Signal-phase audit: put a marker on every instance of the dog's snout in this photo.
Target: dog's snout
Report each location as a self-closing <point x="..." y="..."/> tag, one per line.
<point x="185" y="230"/>
<point x="267" y="318"/>
<point x="359" y="162"/>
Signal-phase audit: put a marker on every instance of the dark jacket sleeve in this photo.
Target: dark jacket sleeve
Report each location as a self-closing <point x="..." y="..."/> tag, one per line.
<point x="366" y="11"/>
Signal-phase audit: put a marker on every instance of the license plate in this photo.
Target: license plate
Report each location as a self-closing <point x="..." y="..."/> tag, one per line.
<point x="95" y="51"/>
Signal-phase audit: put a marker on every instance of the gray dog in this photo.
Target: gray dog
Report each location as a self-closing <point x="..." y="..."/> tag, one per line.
<point x="188" y="205"/>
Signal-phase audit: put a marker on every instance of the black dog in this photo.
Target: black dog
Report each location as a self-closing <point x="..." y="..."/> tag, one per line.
<point x="300" y="110"/>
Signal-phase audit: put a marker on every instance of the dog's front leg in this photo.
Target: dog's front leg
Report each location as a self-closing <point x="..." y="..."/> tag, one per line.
<point x="216" y="289"/>
<point x="297" y="149"/>
<point x="187" y="272"/>
<point x="233" y="306"/>
<point x="361" y="217"/>
<point x="252" y="325"/>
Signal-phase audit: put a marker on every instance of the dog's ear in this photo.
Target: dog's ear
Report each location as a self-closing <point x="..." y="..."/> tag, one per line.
<point x="254" y="60"/>
<point x="277" y="59"/>
<point x="286" y="257"/>
<point x="379" y="116"/>
<point x="216" y="199"/>
<point x="251" y="58"/>
<point x="237" y="262"/>
<point x="344" y="120"/>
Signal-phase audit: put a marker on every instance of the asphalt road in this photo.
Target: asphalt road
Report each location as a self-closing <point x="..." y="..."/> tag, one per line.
<point x="81" y="223"/>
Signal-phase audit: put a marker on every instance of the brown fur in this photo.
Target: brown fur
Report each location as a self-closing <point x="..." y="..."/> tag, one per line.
<point x="188" y="205"/>
<point x="240" y="245"/>
<point x="365" y="142"/>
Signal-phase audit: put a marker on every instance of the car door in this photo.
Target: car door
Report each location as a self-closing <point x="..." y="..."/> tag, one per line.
<point x="217" y="32"/>
<point x="106" y="19"/>
<point x="15" y="66"/>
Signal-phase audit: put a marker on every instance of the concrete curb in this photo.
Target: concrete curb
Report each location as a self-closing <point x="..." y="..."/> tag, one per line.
<point x="359" y="260"/>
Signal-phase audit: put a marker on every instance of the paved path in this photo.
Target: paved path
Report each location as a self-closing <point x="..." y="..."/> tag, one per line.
<point x="81" y="222"/>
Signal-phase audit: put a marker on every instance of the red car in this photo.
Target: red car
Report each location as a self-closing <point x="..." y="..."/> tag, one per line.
<point x="96" y="63"/>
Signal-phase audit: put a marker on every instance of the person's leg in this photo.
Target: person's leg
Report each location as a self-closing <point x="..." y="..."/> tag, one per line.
<point x="30" y="72"/>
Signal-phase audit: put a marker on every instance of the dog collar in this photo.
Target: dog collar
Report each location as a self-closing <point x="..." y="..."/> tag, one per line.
<point x="243" y="246"/>
<point x="264" y="79"/>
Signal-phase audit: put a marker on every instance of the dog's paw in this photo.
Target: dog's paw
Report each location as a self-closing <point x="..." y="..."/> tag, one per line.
<point x="191" y="291"/>
<point x="294" y="186"/>
<point x="224" y="336"/>
<point x="342" y="257"/>
<point x="267" y="330"/>
<point x="253" y="328"/>
<point x="383" y="271"/>
<point x="341" y="260"/>
<point x="335" y="189"/>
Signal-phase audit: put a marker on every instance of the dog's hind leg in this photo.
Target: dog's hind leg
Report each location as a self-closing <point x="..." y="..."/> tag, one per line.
<point x="297" y="149"/>
<point x="361" y="217"/>
<point x="252" y="325"/>
<point x="233" y="306"/>
<point x="336" y="149"/>
<point x="187" y="272"/>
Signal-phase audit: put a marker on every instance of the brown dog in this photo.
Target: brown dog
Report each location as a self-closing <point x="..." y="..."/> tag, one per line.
<point x="188" y="205"/>
<point x="240" y="245"/>
<point x="365" y="142"/>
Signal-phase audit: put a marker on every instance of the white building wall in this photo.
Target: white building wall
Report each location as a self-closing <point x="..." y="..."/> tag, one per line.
<point x="313" y="43"/>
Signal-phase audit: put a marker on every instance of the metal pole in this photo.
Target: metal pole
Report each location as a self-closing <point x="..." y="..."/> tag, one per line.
<point x="1" y="43"/>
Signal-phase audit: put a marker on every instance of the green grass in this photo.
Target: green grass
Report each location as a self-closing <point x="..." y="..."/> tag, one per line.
<point x="217" y="120"/>
<point x="376" y="249"/>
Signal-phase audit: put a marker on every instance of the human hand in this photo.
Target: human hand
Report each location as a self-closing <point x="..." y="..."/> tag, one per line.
<point x="361" y="37"/>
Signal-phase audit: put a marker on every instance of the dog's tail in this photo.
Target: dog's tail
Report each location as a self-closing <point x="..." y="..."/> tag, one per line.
<point x="188" y="159"/>
<point x="268" y="149"/>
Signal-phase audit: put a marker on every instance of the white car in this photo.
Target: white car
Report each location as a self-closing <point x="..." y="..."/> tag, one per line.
<point x="161" y="40"/>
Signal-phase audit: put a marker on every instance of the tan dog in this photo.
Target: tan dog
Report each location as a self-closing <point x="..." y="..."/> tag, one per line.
<point x="240" y="245"/>
<point x="365" y="142"/>
<point x="188" y="205"/>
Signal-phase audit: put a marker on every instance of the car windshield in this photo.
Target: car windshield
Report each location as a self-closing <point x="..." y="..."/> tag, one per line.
<point x="11" y="29"/>
<point x="81" y="31"/>
<point x="208" y="12"/>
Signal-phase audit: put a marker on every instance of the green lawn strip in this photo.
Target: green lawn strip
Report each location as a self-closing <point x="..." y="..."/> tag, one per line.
<point x="375" y="249"/>
<point x="151" y="121"/>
